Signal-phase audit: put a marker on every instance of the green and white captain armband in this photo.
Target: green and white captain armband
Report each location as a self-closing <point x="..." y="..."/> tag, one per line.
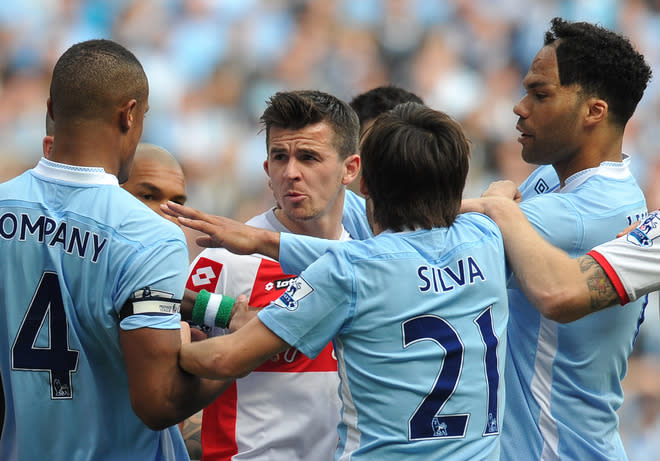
<point x="212" y="309"/>
<point x="149" y="301"/>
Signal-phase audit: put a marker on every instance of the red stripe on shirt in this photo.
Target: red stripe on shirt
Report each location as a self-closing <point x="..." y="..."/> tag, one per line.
<point x="219" y="427"/>
<point x="611" y="274"/>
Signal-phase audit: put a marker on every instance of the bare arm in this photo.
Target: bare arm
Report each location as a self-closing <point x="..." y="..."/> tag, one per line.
<point x="234" y="355"/>
<point x="561" y="288"/>
<point x="227" y="233"/>
<point x="162" y="394"/>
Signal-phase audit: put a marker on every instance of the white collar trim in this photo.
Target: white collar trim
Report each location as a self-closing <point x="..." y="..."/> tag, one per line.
<point x="615" y="170"/>
<point x="73" y="173"/>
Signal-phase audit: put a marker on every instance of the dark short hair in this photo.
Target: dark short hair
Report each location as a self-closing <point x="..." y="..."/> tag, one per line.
<point x="372" y="103"/>
<point x="603" y="63"/>
<point x="93" y="77"/>
<point x="415" y="162"/>
<point x="297" y="109"/>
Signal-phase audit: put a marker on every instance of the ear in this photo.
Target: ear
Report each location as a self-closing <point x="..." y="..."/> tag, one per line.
<point x="127" y="115"/>
<point x="47" y="145"/>
<point x="266" y="168"/>
<point x="351" y="169"/>
<point x="597" y="111"/>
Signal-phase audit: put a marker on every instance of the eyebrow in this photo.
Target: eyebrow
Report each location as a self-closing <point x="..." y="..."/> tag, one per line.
<point x="536" y="84"/>
<point x="153" y="188"/>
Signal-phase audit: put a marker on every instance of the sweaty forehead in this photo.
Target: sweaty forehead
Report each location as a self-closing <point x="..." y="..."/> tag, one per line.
<point x="544" y="70"/>
<point x="317" y="135"/>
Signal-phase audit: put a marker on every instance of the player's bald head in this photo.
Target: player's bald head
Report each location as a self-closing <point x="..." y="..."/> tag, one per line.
<point x="156" y="178"/>
<point x="151" y="152"/>
<point x="94" y="77"/>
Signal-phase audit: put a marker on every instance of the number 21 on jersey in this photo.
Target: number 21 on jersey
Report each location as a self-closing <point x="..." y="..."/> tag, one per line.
<point x="428" y="421"/>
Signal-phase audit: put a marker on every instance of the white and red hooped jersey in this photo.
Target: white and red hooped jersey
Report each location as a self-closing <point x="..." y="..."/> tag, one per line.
<point x="289" y="407"/>
<point x="632" y="262"/>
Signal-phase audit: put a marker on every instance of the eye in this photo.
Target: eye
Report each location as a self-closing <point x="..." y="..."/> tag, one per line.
<point x="147" y="197"/>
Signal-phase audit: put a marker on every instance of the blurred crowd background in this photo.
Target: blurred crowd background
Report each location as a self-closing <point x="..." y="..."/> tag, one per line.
<point x="212" y="64"/>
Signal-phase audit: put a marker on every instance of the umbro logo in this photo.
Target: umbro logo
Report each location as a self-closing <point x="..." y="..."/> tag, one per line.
<point x="541" y="187"/>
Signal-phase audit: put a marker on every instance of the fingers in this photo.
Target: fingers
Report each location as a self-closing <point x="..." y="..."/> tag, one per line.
<point x="175" y="210"/>
<point x="504" y="188"/>
<point x="627" y="229"/>
<point x="185" y="333"/>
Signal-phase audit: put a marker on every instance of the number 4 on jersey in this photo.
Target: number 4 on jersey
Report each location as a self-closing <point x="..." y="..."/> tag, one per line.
<point x="47" y="311"/>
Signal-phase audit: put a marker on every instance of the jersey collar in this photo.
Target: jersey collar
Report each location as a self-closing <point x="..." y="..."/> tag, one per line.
<point x="73" y="173"/>
<point x="615" y="170"/>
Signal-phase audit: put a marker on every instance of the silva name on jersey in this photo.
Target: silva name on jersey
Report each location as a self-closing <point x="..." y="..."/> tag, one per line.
<point x="444" y="279"/>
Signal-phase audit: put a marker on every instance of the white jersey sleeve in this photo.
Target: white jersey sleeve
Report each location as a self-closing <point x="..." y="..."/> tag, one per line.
<point x="632" y="262"/>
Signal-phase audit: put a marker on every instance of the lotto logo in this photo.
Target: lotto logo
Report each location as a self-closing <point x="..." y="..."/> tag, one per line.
<point x="204" y="275"/>
<point x="279" y="284"/>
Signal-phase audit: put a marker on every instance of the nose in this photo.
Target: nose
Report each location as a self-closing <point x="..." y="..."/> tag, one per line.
<point x="520" y="110"/>
<point x="292" y="171"/>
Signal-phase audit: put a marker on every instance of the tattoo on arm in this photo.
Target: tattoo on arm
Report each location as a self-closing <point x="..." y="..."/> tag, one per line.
<point x="601" y="290"/>
<point x="192" y="429"/>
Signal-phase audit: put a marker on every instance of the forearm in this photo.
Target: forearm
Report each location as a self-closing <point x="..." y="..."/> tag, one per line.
<point x="162" y="394"/>
<point x="191" y="394"/>
<point x="233" y="355"/>
<point x="555" y="283"/>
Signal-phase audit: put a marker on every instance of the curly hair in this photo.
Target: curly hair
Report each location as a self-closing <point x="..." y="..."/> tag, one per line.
<point x="602" y="62"/>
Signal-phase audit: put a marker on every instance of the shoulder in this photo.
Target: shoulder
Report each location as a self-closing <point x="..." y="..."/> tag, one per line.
<point x="139" y="223"/>
<point x="477" y="221"/>
<point x="542" y="180"/>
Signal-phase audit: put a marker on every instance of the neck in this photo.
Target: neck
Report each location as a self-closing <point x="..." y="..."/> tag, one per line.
<point x="589" y="157"/>
<point x="324" y="227"/>
<point x="86" y="146"/>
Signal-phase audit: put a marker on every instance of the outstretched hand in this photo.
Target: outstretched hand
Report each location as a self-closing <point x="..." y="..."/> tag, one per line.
<point x="224" y="232"/>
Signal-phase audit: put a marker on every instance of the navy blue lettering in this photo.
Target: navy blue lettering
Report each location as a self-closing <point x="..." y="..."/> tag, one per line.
<point x="427" y="282"/>
<point x="60" y="236"/>
<point x="5" y="232"/>
<point x="460" y="279"/>
<point x="27" y="226"/>
<point x="78" y="242"/>
<point x="475" y="271"/>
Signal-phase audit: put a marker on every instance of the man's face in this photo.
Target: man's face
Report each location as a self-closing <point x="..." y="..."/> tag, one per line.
<point x="306" y="174"/>
<point x="154" y="182"/>
<point x="549" y="114"/>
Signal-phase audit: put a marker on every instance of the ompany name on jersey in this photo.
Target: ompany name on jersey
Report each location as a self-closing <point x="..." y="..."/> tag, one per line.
<point x="47" y="231"/>
<point x="443" y="279"/>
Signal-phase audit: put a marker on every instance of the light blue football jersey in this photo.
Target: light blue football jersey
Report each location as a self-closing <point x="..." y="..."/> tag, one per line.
<point x="419" y="326"/>
<point x="354" y="217"/>
<point x="563" y="380"/>
<point x="74" y="247"/>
